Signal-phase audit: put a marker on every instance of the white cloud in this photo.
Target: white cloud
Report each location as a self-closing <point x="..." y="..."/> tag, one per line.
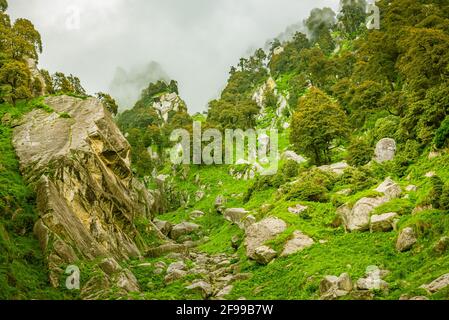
<point x="196" y="41"/>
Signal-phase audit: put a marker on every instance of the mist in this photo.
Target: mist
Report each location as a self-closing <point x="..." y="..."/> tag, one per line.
<point x="118" y="45"/>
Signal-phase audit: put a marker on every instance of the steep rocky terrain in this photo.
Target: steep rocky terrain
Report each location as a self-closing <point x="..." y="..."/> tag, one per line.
<point x="88" y="201"/>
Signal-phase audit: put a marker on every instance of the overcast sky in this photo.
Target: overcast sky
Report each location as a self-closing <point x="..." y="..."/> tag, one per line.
<point x="195" y="41"/>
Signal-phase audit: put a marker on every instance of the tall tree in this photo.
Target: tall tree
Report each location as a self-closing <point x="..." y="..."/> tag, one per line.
<point x="316" y="125"/>
<point x="15" y="82"/>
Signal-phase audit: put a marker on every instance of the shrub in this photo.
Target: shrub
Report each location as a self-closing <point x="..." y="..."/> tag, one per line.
<point x="360" y="152"/>
<point x="442" y="134"/>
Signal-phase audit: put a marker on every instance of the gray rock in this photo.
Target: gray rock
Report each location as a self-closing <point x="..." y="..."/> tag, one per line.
<point x="390" y="188"/>
<point x="332" y="287"/>
<point x="291" y="155"/>
<point x="259" y="233"/>
<point x="236" y="216"/>
<point x="385" y="150"/>
<point x="164" y="227"/>
<point x="358" y="217"/>
<point x="196" y="214"/>
<point x="336" y="168"/>
<point x="299" y="242"/>
<point x="202" y="287"/>
<point x="180" y="265"/>
<point x="225" y="291"/>
<point x="298" y="209"/>
<point x="384" y="222"/>
<point x="406" y="240"/>
<point x="220" y="202"/>
<point x="174" y="276"/>
<point x="183" y="229"/>
<point x="437" y="285"/>
<point x="264" y="255"/>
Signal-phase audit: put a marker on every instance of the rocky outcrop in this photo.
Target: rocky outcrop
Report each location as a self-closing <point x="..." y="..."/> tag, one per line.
<point x="259" y="233"/>
<point x="385" y="150"/>
<point x="182" y="229"/>
<point x="336" y="168"/>
<point x="264" y="255"/>
<point x="87" y="197"/>
<point x="167" y="103"/>
<point x="293" y="156"/>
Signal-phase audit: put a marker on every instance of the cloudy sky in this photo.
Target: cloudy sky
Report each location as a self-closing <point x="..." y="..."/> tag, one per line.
<point x="195" y="41"/>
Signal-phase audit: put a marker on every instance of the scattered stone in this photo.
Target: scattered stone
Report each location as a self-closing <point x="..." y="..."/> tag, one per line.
<point x="264" y="255"/>
<point x="383" y="223"/>
<point x="220" y="203"/>
<point x="390" y="188"/>
<point x="419" y="298"/>
<point x="437" y="285"/>
<point x="236" y="216"/>
<point x="441" y="246"/>
<point x="145" y="265"/>
<point x="358" y="217"/>
<point x="385" y="150"/>
<point x="160" y="264"/>
<point x="164" y="227"/>
<point x="291" y="155"/>
<point x="225" y="291"/>
<point x="411" y="188"/>
<point x="202" y="287"/>
<point x="259" y="233"/>
<point x="183" y="229"/>
<point x="174" y="276"/>
<point x="299" y="242"/>
<point x="332" y="287"/>
<point x="420" y="209"/>
<point x="196" y="214"/>
<point x="235" y="242"/>
<point x="298" y="209"/>
<point x="249" y="221"/>
<point x="158" y="271"/>
<point x="430" y="174"/>
<point x="434" y="154"/>
<point x="199" y="195"/>
<point x="373" y="280"/>
<point x="6" y="119"/>
<point x="406" y="240"/>
<point x="336" y="168"/>
<point x="345" y="192"/>
<point x="180" y="265"/>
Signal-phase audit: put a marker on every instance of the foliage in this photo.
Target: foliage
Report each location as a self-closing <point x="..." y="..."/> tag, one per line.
<point x="317" y="123"/>
<point x="360" y="152"/>
<point x="109" y="102"/>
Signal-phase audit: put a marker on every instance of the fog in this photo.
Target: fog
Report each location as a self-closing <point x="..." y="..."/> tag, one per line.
<point x="192" y="41"/>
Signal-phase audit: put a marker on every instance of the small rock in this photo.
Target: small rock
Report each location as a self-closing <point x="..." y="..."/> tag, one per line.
<point x="383" y="223"/>
<point x="249" y="221"/>
<point x="235" y="242"/>
<point x="202" y="287"/>
<point x="298" y="209"/>
<point x="236" y="215"/>
<point x="291" y="155"/>
<point x="175" y="275"/>
<point x="220" y="202"/>
<point x="411" y="188"/>
<point x="430" y="174"/>
<point x="420" y="209"/>
<point x="390" y="188"/>
<point x="419" y="298"/>
<point x="199" y="195"/>
<point x="196" y="214"/>
<point x="345" y="192"/>
<point x="180" y="265"/>
<point x="264" y="255"/>
<point x="158" y="271"/>
<point x="164" y="227"/>
<point x="259" y="233"/>
<point x="373" y="280"/>
<point x="160" y="264"/>
<point x="225" y="291"/>
<point x="299" y="242"/>
<point x="332" y="287"/>
<point x="442" y="245"/>
<point x="406" y="240"/>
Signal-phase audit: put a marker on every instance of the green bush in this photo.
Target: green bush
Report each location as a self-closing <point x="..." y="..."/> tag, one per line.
<point x="360" y="152"/>
<point x="442" y="134"/>
<point x="312" y="186"/>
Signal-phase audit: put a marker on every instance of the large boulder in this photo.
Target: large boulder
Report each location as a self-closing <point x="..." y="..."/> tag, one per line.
<point x="336" y="168"/>
<point x="357" y="218"/>
<point x="406" y="240"/>
<point x="87" y="198"/>
<point x="383" y="222"/>
<point x="373" y="280"/>
<point x="299" y="242"/>
<point x="236" y="216"/>
<point x="183" y="229"/>
<point x="259" y="233"/>
<point x="385" y="150"/>
<point x="164" y="226"/>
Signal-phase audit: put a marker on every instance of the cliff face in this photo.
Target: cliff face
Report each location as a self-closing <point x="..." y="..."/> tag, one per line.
<point x="78" y="162"/>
